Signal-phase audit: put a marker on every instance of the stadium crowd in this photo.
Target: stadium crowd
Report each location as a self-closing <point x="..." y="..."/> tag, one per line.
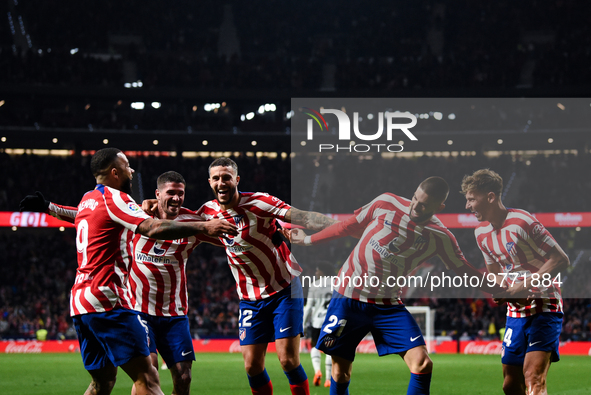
<point x="36" y="276"/>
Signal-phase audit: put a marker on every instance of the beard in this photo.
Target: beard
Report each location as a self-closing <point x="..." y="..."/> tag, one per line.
<point x="126" y="187"/>
<point x="231" y="193"/>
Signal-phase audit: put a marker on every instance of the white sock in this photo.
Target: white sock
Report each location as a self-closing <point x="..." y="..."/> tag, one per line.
<point x="328" y="366"/>
<point x="315" y="354"/>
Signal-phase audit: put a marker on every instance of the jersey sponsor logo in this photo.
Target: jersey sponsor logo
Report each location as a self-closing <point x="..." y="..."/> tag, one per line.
<point x="141" y="257"/>
<point x="158" y="251"/>
<point x="237" y="248"/>
<point x="511" y="248"/>
<point x="385" y="253"/>
<point x="420" y="243"/>
<point x="393" y="247"/>
<point x="242" y="333"/>
<point x="133" y="207"/>
<point x="90" y="203"/>
<point x="389" y="223"/>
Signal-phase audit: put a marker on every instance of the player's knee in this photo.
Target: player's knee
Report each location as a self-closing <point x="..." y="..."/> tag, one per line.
<point x="253" y="368"/>
<point x="289" y="362"/>
<point x="424" y="364"/>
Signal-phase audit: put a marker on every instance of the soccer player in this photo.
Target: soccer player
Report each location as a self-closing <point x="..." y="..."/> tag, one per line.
<point x="109" y="332"/>
<point x="319" y="295"/>
<point x="513" y="242"/>
<point x="271" y="296"/>
<point x="397" y="236"/>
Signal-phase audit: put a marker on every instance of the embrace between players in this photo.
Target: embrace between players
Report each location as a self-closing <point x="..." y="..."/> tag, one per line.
<point x="128" y="300"/>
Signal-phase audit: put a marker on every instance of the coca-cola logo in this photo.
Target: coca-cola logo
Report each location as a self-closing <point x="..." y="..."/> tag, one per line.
<point x="484" y="348"/>
<point x="32" y="347"/>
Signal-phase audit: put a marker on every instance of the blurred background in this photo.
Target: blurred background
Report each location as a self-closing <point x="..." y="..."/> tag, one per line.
<point x="176" y="84"/>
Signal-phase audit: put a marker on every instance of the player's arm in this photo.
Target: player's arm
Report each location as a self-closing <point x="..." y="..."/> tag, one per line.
<point x="163" y="229"/>
<point x="349" y="227"/>
<point x="38" y="204"/>
<point x="308" y="219"/>
<point x="453" y="258"/>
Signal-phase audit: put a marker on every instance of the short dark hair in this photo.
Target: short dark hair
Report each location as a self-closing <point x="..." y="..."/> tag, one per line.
<point x="224" y="162"/>
<point x="170" y="176"/>
<point x="102" y="160"/>
<point x="483" y="180"/>
<point x="436" y="187"/>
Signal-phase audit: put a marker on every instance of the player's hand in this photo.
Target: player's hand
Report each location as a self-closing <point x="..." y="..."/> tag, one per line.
<point x="35" y="203"/>
<point x="297" y="236"/>
<point x="286" y="233"/>
<point x="220" y="227"/>
<point x="150" y="207"/>
<point x="499" y="301"/>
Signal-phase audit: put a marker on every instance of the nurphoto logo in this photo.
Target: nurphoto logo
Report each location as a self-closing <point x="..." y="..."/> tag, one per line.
<point x="344" y="130"/>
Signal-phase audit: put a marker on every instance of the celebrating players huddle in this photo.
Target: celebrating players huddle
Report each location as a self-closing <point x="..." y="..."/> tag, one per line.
<point x="129" y="299"/>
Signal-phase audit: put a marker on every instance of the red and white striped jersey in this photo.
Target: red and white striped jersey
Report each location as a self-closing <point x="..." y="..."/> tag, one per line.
<point x="105" y="223"/>
<point x="521" y="244"/>
<point x="259" y="267"/>
<point x="158" y="281"/>
<point x="392" y="245"/>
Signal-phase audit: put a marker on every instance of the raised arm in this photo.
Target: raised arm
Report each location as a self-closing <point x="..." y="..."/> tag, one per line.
<point x="350" y="227"/>
<point x="38" y="204"/>
<point x="308" y="219"/>
<point x="163" y="229"/>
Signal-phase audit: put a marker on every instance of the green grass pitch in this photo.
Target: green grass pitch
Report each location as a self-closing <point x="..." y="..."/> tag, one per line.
<point x="64" y="374"/>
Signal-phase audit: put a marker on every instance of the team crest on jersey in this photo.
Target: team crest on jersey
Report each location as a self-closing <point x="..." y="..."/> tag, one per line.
<point x="508" y="267"/>
<point x="134" y="207"/>
<point x="228" y="240"/>
<point x="537" y="230"/>
<point x="242" y="334"/>
<point x="237" y="219"/>
<point x="420" y="243"/>
<point x="329" y="341"/>
<point x="511" y="249"/>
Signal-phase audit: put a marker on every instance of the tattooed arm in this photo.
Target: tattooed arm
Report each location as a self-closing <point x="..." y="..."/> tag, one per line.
<point x="308" y="219"/>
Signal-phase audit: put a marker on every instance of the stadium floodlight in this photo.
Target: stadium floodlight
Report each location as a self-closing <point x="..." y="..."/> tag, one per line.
<point x="438" y="116"/>
<point x="450" y="142"/>
<point x="73" y="51"/>
<point x="3" y="139"/>
<point x="250" y="115"/>
<point x="243" y="117"/>
<point x="451" y="116"/>
<point x="205" y="142"/>
<point x="138" y="105"/>
<point x="156" y="104"/>
<point x="105" y="141"/>
<point x="127" y="85"/>
<point x="253" y="142"/>
<point x="261" y="109"/>
<point x="550" y="140"/>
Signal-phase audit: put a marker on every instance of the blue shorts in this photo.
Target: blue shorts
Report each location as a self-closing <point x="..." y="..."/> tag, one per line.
<point x="276" y="317"/>
<point x="171" y="336"/>
<point x="347" y="322"/>
<point x="539" y="332"/>
<point x="113" y="337"/>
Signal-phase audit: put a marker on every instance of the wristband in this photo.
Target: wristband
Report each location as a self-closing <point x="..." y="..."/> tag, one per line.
<point x="308" y="240"/>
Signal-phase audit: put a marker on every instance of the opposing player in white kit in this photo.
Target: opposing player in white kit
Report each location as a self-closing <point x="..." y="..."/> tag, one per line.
<point x="109" y="332"/>
<point x="319" y="295"/>
<point x="515" y="244"/>
<point x="398" y="235"/>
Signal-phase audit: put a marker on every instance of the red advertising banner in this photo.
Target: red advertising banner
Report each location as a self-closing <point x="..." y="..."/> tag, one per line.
<point x="31" y="220"/>
<point x="233" y="346"/>
<point x="467" y="220"/>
